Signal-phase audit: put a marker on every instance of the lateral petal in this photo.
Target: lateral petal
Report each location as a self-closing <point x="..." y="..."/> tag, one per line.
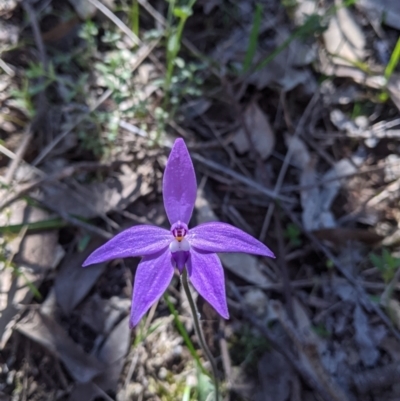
<point x="179" y="184"/>
<point x="222" y="237"/>
<point x="207" y="276"/>
<point x="138" y="240"/>
<point x="153" y="275"/>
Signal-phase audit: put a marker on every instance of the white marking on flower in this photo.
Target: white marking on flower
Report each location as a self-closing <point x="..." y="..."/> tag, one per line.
<point x="182" y="245"/>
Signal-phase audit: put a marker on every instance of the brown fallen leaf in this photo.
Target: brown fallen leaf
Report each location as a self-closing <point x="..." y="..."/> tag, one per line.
<point x="113" y="354"/>
<point x="49" y="334"/>
<point x="60" y="30"/>
<point x="261" y="132"/>
<point x="73" y="282"/>
<point x="341" y="235"/>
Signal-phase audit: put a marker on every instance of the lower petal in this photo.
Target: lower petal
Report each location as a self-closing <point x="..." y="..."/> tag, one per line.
<point x="207" y="276"/>
<point x="153" y="275"/>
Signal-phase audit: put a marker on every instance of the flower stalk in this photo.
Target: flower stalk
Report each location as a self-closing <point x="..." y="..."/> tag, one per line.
<point x="199" y="331"/>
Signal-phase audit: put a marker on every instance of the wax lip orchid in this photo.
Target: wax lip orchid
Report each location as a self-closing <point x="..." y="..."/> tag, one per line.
<point x="180" y="247"/>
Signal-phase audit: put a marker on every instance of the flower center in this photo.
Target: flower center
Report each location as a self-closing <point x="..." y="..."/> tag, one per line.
<point x="179" y="230"/>
<point x="179" y="246"/>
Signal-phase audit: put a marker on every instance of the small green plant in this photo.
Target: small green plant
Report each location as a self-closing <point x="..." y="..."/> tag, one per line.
<point x="174" y="36"/>
<point x="391" y="66"/>
<point x="386" y="263"/>
<point x="292" y="233"/>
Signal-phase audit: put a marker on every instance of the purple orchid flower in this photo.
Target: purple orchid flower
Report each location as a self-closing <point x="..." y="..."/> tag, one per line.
<point x="163" y="250"/>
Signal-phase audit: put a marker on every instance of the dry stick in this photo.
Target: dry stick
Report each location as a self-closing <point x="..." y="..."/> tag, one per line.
<point x="365" y="300"/>
<point x="74" y="221"/>
<point x="285" y="166"/>
<point x="59" y="175"/>
<point x="60" y="137"/>
<point x="311" y="237"/>
<point x="27" y="137"/>
<point x="290" y="357"/>
<point x="287" y="289"/>
<point x="309" y="350"/>
<point x="128" y="32"/>
<point x="199" y="331"/>
<point x="247" y="181"/>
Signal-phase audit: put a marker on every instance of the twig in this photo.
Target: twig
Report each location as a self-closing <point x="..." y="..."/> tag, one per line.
<point x="285" y="166"/>
<point x="290" y="357"/>
<point x="59" y="175"/>
<point x="147" y="49"/>
<point x="249" y="182"/>
<point x="36" y="33"/>
<point x="60" y="137"/>
<point x="287" y="289"/>
<point x="309" y="350"/>
<point x="109" y="14"/>
<point x="365" y="300"/>
<point x="74" y="221"/>
<point x="27" y="137"/>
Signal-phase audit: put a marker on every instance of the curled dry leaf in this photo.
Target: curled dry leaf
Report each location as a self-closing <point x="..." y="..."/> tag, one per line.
<point x="260" y="130"/>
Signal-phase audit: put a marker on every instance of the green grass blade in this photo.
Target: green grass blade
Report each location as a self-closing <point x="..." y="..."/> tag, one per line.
<point x="184" y="333"/>
<point x="134" y="17"/>
<point x="37" y="226"/>
<point x="394" y="60"/>
<point x="253" y="40"/>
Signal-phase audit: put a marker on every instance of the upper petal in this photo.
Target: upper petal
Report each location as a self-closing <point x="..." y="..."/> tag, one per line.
<point x="222" y="237"/>
<point x="179" y="184"/>
<point x="138" y="240"/>
<point x="152" y="278"/>
<point x="207" y="276"/>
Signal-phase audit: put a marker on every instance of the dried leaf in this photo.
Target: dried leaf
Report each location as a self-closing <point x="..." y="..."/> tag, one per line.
<point x="276" y="376"/>
<point x="38" y="253"/>
<point x="261" y="133"/>
<point x="367" y="347"/>
<point x="99" y="198"/>
<point x="73" y="282"/>
<point x="113" y="353"/>
<point x="344" y="38"/>
<point x="387" y="10"/>
<point x="48" y="333"/>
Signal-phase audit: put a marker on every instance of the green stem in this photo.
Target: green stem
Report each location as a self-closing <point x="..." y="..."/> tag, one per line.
<point x="199" y="330"/>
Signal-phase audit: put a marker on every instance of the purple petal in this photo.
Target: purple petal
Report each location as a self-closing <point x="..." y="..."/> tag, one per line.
<point x="152" y="278"/>
<point x="222" y="237"/>
<point x="207" y="276"/>
<point x="135" y="241"/>
<point x="179" y="184"/>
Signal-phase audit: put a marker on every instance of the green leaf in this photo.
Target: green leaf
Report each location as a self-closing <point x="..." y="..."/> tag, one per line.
<point x="182" y="12"/>
<point x="205" y="386"/>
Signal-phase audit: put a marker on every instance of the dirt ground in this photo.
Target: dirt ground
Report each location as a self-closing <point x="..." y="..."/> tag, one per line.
<point x="291" y="112"/>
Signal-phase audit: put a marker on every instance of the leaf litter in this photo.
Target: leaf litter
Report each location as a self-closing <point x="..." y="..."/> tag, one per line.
<point x="342" y="179"/>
